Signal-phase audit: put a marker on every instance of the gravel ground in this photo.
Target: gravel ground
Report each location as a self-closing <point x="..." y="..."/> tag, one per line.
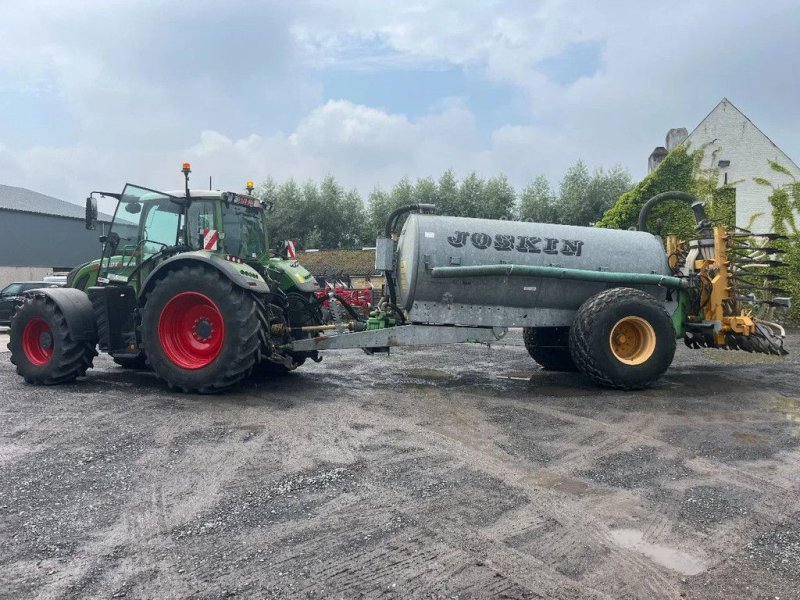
<point x="451" y="472"/>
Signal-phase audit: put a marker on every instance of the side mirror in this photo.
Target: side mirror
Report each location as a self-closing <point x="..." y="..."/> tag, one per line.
<point x="91" y="213"/>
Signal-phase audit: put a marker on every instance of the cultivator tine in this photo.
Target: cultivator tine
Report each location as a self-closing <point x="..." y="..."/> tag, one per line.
<point x="767" y="236"/>
<point x="765" y="276"/>
<point x="766" y="289"/>
<point x="748" y="250"/>
<point x="752" y="299"/>
<point x="762" y="341"/>
<point x="758" y="262"/>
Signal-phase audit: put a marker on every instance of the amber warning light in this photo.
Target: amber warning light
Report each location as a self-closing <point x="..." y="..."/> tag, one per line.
<point x="187" y="168"/>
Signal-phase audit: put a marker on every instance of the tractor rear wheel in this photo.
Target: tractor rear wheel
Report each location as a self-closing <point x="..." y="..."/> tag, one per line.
<point x="622" y="338"/>
<point x="200" y="331"/>
<point x="42" y="347"/>
<point x="549" y="346"/>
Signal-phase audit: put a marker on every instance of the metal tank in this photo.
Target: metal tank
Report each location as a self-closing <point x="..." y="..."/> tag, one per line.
<point x="480" y="272"/>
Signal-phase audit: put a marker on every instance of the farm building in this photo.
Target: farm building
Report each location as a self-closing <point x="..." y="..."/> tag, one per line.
<point x="741" y="152"/>
<point x="41" y="235"/>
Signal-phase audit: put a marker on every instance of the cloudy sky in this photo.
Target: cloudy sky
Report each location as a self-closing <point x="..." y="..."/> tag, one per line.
<point x="94" y="93"/>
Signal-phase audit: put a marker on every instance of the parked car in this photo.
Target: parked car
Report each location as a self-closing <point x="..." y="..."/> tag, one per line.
<point x="13" y="291"/>
<point x="59" y="279"/>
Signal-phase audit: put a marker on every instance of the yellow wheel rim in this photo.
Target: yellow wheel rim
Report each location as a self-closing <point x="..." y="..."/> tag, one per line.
<point x="632" y="340"/>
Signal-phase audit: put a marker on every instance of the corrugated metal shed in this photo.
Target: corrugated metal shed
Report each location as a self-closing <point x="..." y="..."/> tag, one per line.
<point x="24" y="200"/>
<point x="40" y="231"/>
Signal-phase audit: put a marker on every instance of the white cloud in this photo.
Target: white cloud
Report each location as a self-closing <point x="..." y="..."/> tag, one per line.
<point x="236" y="87"/>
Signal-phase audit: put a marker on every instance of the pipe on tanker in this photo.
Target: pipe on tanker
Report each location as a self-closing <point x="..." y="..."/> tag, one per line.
<point x="698" y="207"/>
<point x="558" y="273"/>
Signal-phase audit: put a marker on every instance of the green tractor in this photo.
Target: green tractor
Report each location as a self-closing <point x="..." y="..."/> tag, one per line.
<point x="186" y="285"/>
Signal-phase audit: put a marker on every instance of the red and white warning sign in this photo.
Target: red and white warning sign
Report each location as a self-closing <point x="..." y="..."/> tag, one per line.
<point x="210" y="239"/>
<point x="290" y="251"/>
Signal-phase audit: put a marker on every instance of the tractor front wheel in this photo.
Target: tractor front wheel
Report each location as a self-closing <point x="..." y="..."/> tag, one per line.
<point x="622" y="338"/>
<point x="42" y="346"/>
<point x="200" y="331"/>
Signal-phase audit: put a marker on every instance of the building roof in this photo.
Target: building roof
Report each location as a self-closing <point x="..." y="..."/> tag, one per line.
<point x="722" y="106"/>
<point x="24" y="200"/>
<point x="326" y="263"/>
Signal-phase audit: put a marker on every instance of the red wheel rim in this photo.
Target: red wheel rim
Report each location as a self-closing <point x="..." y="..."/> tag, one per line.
<point x="191" y="330"/>
<point x="37" y="341"/>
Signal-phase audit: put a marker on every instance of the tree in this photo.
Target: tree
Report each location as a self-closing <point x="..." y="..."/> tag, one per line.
<point x="379" y="208"/>
<point x="338" y="217"/>
<point x="538" y="202"/>
<point x="602" y="192"/>
<point x="499" y="200"/>
<point x="572" y="194"/>
<point x="286" y="221"/>
<point x="425" y="191"/>
<point x="470" y="195"/>
<point x="583" y="198"/>
<point x="447" y="194"/>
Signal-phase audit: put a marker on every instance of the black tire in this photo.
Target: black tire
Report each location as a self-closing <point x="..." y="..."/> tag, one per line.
<point x="237" y="347"/>
<point x="132" y="362"/>
<point x="302" y="311"/>
<point x="549" y="346"/>
<point x="56" y="357"/>
<point x="591" y="345"/>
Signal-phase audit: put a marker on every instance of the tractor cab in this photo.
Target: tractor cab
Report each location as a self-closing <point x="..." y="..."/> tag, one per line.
<point x="150" y="225"/>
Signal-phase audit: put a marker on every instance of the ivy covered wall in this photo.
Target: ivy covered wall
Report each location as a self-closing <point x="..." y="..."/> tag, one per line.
<point x="681" y="171"/>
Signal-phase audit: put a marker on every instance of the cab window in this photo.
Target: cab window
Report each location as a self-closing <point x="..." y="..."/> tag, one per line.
<point x="160" y="226"/>
<point x="200" y="220"/>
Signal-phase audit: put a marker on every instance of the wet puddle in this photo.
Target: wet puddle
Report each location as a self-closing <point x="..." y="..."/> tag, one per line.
<point x="790" y="407"/>
<point x="684" y="563"/>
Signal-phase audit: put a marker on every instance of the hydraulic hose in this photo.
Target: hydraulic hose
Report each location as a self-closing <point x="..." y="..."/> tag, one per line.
<point x="559" y="273"/>
<point x="349" y="308"/>
<point x="395" y="214"/>
<point x="698" y="207"/>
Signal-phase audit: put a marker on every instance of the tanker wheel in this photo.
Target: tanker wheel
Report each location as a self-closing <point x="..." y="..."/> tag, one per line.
<point x="622" y="338"/>
<point x="549" y="346"/>
<point x="132" y="362"/>
<point x="42" y="347"/>
<point x="200" y="330"/>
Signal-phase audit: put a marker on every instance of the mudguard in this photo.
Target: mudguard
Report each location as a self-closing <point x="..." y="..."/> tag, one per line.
<point x="76" y="308"/>
<point x="239" y="273"/>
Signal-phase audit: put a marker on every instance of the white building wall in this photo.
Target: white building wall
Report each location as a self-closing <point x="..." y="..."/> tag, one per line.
<point x="11" y="274"/>
<point x="727" y="134"/>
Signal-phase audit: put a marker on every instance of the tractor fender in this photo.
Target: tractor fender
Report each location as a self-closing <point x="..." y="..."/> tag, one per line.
<point x="76" y="308"/>
<point x="228" y="269"/>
